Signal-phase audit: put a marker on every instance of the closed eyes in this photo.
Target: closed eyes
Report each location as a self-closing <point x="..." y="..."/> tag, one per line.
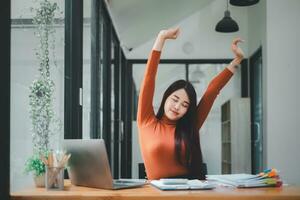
<point x="183" y="104"/>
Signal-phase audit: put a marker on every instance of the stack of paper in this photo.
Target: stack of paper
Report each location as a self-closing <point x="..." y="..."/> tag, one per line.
<point x="267" y="178"/>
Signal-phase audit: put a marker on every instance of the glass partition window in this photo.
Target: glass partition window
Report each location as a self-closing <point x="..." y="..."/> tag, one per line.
<point x="200" y="76"/>
<point x="112" y="101"/>
<point x="86" y="107"/>
<point x="34" y="56"/>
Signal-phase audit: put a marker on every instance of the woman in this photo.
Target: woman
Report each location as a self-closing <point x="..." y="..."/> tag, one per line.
<point x="169" y="140"/>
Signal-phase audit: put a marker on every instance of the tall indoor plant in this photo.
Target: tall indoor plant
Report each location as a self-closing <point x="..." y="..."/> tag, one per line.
<point x="41" y="94"/>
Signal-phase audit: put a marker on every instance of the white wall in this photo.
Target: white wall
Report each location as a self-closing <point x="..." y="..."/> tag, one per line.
<point x="257" y="27"/>
<point x="282" y="87"/>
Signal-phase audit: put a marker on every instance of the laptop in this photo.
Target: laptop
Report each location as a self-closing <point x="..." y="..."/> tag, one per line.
<point x="88" y="165"/>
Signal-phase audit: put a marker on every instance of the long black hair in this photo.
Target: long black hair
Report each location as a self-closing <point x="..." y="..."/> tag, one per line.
<point x="186" y="131"/>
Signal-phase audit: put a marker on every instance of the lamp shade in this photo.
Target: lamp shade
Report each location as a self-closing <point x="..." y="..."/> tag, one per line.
<point x="243" y="2"/>
<point x="227" y="24"/>
<point x="197" y="76"/>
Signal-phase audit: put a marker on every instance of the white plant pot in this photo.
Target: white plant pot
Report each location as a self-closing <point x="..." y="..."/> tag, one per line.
<point x="39" y="180"/>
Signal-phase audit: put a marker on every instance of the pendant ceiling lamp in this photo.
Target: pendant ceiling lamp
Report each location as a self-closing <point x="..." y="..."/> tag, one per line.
<point x="243" y="2"/>
<point x="227" y="24"/>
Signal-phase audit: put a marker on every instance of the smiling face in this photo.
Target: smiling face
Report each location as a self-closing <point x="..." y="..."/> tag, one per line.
<point x="176" y="105"/>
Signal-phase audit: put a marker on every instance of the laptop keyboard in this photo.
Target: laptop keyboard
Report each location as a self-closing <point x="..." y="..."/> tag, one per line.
<point x="126" y="183"/>
<point x="121" y="182"/>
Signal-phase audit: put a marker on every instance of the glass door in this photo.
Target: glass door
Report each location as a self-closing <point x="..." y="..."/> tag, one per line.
<point x="256" y="111"/>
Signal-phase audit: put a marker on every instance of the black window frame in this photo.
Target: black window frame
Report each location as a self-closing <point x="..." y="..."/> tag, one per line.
<point x="95" y="69"/>
<point x="73" y="69"/>
<point x="103" y="39"/>
<point x="5" y="99"/>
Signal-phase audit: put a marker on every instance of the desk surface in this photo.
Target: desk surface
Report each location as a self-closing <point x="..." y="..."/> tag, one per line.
<point x="149" y="192"/>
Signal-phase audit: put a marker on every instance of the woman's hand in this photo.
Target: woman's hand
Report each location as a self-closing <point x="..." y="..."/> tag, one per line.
<point x="163" y="35"/>
<point x="239" y="55"/>
<point x="171" y="33"/>
<point x="236" y="50"/>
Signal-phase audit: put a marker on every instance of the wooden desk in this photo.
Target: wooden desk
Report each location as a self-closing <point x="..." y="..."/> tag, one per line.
<point x="149" y="192"/>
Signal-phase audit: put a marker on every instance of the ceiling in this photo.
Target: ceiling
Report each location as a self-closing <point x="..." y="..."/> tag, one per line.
<point x="136" y="21"/>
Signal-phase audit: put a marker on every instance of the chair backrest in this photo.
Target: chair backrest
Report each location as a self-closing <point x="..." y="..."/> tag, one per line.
<point x="142" y="170"/>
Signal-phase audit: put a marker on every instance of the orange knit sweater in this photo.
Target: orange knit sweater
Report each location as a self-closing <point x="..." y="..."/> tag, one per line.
<point x="156" y="137"/>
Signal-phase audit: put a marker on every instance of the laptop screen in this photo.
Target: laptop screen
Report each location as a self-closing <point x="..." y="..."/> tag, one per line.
<point x="88" y="165"/>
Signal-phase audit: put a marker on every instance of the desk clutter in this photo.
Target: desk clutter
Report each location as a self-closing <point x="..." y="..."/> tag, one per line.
<point x="55" y="164"/>
<point x="267" y="178"/>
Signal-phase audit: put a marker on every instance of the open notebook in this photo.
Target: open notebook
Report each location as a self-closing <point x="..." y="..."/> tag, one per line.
<point x="181" y="184"/>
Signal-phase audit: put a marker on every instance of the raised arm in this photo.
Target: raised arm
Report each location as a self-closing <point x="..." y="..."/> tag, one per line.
<point x="145" y="113"/>
<point x="216" y="85"/>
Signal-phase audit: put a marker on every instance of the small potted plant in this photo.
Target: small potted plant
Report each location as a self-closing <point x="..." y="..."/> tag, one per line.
<point x="34" y="164"/>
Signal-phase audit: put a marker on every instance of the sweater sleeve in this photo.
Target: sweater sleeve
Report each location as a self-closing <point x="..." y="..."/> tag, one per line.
<point x="145" y="112"/>
<point x="210" y="95"/>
